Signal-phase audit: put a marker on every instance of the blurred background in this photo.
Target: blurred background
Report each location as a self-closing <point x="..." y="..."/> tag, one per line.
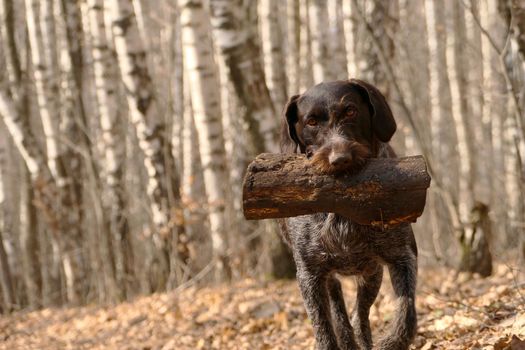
<point x="127" y="126"/>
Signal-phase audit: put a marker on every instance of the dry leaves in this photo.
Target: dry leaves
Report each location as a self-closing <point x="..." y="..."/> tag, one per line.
<point x="455" y="312"/>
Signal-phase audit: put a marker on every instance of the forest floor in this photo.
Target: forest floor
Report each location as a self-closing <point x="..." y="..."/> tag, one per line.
<point x="454" y="311"/>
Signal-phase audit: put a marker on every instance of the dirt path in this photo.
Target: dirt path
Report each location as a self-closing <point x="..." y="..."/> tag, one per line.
<point x="453" y="314"/>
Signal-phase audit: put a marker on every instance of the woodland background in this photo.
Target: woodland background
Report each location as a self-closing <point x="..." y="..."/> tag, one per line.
<point x="127" y="126"/>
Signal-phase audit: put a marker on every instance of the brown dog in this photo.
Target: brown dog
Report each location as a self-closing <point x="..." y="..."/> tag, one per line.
<point x="339" y="125"/>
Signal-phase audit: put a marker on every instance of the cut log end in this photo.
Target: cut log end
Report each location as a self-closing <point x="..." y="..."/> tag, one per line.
<point x="385" y="193"/>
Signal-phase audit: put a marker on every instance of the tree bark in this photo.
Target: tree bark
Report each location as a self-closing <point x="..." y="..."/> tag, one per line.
<point x="321" y="54"/>
<point x="238" y="44"/>
<point x="293" y="48"/>
<point x="6" y="279"/>
<point x="205" y="98"/>
<point x="272" y="44"/>
<point x="42" y="39"/>
<point x="385" y="193"/>
<point x="163" y="182"/>
<point x="336" y="40"/>
<point x="473" y="257"/>
<point x="105" y="76"/>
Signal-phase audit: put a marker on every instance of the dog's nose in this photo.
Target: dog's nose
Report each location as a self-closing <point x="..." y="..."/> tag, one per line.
<point x="339" y="159"/>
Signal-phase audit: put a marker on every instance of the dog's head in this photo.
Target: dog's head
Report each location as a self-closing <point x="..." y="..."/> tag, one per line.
<point x="337" y="125"/>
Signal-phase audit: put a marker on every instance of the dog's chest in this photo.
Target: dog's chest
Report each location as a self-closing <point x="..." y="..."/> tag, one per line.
<point x="335" y="243"/>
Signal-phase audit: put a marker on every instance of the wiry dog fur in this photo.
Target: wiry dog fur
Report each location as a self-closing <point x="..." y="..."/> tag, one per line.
<point x="339" y="125"/>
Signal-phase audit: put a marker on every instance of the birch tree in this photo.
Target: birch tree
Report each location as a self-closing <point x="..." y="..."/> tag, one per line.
<point x="132" y="60"/>
<point x="272" y="44"/>
<point x="475" y="256"/>
<point x="293" y="17"/>
<point x="205" y="98"/>
<point x="71" y="252"/>
<point x="113" y="146"/>
<point x="305" y="49"/>
<point x="235" y="37"/>
<point x="28" y="229"/>
<point x="321" y="54"/>
<point x="6" y="280"/>
<point x="336" y="40"/>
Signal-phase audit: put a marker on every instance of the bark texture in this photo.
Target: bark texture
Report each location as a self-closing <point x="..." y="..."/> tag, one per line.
<point x="385" y="193"/>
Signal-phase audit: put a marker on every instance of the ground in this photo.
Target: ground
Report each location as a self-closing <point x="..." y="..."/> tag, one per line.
<point x="455" y="312"/>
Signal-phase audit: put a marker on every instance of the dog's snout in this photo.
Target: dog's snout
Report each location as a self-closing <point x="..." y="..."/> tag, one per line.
<point x="337" y="159"/>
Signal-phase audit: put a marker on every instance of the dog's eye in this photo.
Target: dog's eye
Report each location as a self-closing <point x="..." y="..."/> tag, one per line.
<point x="311" y="122"/>
<point x="351" y="113"/>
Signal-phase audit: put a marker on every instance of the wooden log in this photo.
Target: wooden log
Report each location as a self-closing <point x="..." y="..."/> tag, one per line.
<point x="385" y="193"/>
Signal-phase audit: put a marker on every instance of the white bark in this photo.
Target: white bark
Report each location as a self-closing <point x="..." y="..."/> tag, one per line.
<point x="320" y="41"/>
<point x="132" y="62"/>
<point x="112" y="144"/>
<point x="349" y="29"/>
<point x="336" y="40"/>
<point x="306" y="68"/>
<point x="40" y="75"/>
<point x="238" y="44"/>
<point x="202" y="71"/>
<point x="460" y="110"/>
<point x="293" y="47"/>
<point x="6" y="281"/>
<point x="272" y="44"/>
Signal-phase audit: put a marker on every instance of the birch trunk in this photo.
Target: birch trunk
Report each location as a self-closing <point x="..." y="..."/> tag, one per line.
<point x="493" y="114"/>
<point x="475" y="255"/>
<point x="349" y="35"/>
<point x="205" y="98"/>
<point x="272" y="44"/>
<point x="442" y="135"/>
<point x="43" y="182"/>
<point x="305" y="50"/>
<point x="113" y="147"/>
<point x="336" y="40"/>
<point x="320" y="41"/>
<point x="239" y="45"/>
<point x="28" y="222"/>
<point x="162" y="178"/>
<point x="6" y="280"/>
<point x="43" y="61"/>
<point x="197" y="249"/>
<point x="293" y="47"/>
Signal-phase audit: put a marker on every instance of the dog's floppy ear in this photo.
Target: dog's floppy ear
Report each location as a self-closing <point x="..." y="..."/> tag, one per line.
<point x="289" y="139"/>
<point x="383" y="122"/>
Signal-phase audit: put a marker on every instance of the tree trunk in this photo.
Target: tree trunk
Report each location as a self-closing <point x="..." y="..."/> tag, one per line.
<point x="305" y="50"/>
<point x="475" y="255"/>
<point x="105" y="77"/>
<point x="442" y="135"/>
<point x="6" y="280"/>
<point x="272" y="44"/>
<point x="30" y="248"/>
<point x="163" y="183"/>
<point x="238" y="44"/>
<point x="349" y="35"/>
<point x="321" y="53"/>
<point x="293" y="69"/>
<point x="205" y="98"/>
<point x="336" y="40"/>
<point x="42" y="40"/>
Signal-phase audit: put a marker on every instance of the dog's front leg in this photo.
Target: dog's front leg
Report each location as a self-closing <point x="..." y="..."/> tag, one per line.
<point x="340" y="321"/>
<point x="317" y="304"/>
<point x="403" y="274"/>
<point x="367" y="289"/>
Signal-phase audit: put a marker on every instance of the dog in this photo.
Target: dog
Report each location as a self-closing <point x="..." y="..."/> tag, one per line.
<point x="339" y="125"/>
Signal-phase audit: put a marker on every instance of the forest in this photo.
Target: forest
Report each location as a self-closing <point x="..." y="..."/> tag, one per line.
<point x="126" y="127"/>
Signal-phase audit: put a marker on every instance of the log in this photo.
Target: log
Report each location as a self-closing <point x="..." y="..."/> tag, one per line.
<point x="385" y="193"/>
